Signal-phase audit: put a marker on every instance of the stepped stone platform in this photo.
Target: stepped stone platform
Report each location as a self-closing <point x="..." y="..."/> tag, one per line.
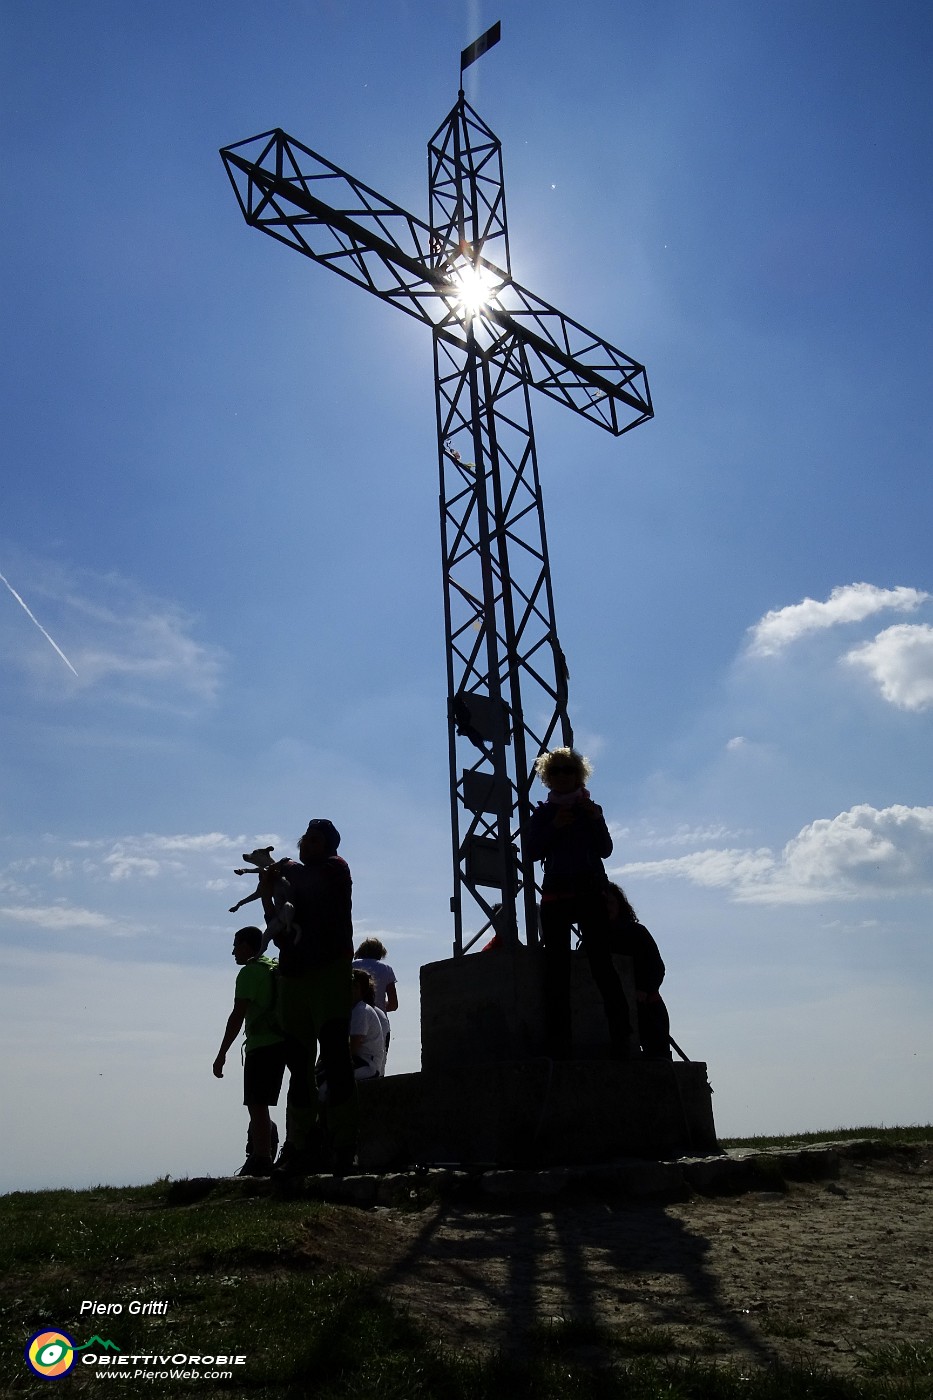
<point x="487" y="1093"/>
<point x="536" y="1112"/>
<point x="728" y="1173"/>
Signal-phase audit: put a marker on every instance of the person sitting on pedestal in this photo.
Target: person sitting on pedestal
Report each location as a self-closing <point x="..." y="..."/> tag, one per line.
<point x="369" y="1028"/>
<point x="630" y="937"/>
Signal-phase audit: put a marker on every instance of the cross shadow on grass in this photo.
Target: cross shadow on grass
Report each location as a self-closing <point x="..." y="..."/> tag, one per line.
<point x="616" y="1276"/>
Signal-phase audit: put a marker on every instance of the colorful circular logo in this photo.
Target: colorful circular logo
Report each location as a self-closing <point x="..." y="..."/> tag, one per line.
<point x="50" y="1354"/>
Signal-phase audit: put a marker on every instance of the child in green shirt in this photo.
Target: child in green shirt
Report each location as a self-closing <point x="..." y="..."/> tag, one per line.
<point x="254" y="1007"/>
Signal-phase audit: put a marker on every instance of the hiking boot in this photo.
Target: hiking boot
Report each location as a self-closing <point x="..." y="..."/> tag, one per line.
<point x="256" y="1166"/>
<point x="274" y="1136"/>
<point x="297" y="1161"/>
<point x="289" y="1162"/>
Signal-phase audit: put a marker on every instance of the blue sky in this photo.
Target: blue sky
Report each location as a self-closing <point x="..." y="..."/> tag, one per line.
<point x="220" y="505"/>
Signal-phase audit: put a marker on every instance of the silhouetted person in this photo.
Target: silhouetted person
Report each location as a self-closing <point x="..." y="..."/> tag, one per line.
<point x="315" y="953"/>
<point x="630" y="937"/>
<point x="369" y="1028"/>
<point x="254" y="1006"/>
<point x="568" y="833"/>
<point x="368" y="1032"/>
<point x="370" y="956"/>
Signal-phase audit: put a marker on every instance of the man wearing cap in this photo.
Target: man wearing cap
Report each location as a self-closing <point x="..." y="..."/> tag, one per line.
<point x="315" y="955"/>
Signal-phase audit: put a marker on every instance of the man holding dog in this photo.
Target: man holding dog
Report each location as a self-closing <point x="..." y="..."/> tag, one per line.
<point x="315" y="955"/>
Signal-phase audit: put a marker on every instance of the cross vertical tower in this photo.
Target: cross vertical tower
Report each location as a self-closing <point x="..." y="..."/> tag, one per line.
<point x="507" y="693"/>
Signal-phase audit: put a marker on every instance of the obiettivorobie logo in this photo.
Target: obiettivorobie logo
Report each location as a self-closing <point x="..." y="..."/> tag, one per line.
<point x="51" y="1354"/>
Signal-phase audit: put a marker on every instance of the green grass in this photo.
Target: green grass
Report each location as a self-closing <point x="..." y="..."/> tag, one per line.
<point x="910" y="1359"/>
<point x="559" y="1335"/>
<point x="897" y="1137"/>
<point x="240" y="1275"/>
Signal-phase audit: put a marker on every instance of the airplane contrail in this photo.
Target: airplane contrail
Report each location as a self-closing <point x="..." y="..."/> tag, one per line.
<point x="38" y="624"/>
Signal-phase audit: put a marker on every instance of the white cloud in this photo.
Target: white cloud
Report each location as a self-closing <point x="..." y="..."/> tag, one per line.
<point x="366" y="928"/>
<point x="900" y="659"/>
<point x="144" y="854"/>
<point x="862" y="853"/>
<point x="681" y="836"/>
<point x="864" y="850"/>
<point x="209" y="841"/>
<point x="57" y="916"/>
<point x="124" y="867"/>
<point x="124" y="642"/>
<point x="150" y="841"/>
<point x="851" y="603"/>
<point x="185" y="861"/>
<point x="151" y="648"/>
<point x="54" y="865"/>
<point x="714" y="869"/>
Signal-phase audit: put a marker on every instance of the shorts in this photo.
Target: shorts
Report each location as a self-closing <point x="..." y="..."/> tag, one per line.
<point x="263" y="1069"/>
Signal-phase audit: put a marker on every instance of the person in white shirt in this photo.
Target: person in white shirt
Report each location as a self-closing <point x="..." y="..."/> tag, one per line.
<point x="367" y="1033"/>
<point x="369" y="956"/>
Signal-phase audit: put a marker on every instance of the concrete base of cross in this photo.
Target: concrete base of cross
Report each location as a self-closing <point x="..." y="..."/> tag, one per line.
<point x="487" y="1093"/>
<point x="536" y="1112"/>
<point x="488" y="1007"/>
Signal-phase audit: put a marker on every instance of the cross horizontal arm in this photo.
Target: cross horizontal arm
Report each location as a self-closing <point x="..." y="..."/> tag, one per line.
<point x="288" y="192"/>
<point x="296" y="196"/>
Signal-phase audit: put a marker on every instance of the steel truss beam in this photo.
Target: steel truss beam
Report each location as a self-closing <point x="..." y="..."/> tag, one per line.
<point x="304" y="201"/>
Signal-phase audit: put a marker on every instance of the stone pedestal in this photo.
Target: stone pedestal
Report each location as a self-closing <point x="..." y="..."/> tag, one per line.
<point x="488" y="1095"/>
<point x="489" y="1007"/>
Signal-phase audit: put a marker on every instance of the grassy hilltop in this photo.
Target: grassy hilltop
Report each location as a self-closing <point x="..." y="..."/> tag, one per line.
<point x="245" y="1274"/>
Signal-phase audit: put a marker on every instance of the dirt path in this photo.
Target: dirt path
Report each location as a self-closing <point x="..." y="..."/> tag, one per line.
<point x="822" y="1273"/>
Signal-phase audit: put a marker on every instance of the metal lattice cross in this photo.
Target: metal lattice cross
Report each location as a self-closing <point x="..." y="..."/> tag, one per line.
<point x="493" y="342"/>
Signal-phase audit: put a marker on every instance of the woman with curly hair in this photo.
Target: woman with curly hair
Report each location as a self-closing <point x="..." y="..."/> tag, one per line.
<point x="568" y="834"/>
